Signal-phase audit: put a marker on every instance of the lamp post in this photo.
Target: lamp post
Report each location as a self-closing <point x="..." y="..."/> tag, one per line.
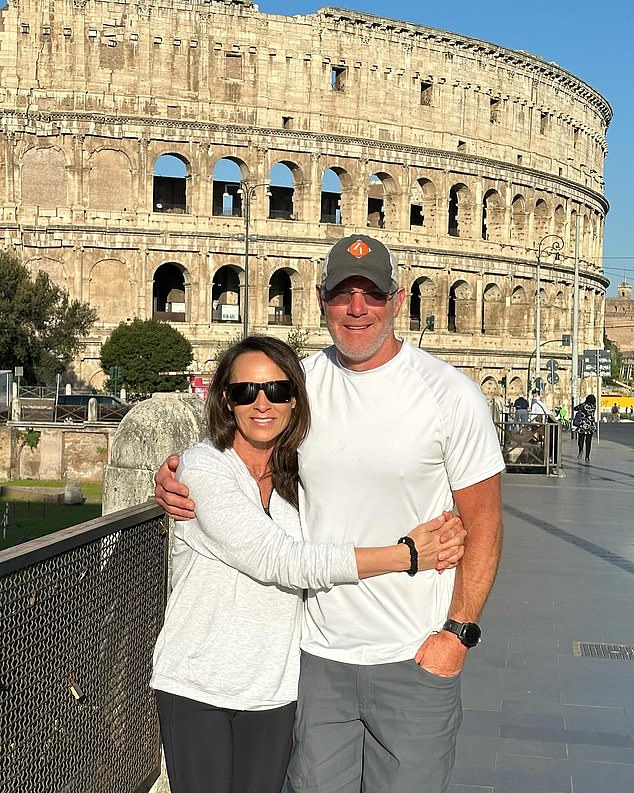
<point x="550" y="245"/>
<point x="247" y="191"/>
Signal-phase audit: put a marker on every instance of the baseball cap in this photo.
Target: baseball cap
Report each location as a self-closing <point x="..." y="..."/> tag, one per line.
<point x="363" y="256"/>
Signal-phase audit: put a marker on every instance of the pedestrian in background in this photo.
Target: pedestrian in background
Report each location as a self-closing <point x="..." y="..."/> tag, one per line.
<point x="586" y="424"/>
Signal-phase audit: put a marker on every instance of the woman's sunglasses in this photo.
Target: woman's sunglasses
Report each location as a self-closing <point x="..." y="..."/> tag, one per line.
<point x="276" y="391"/>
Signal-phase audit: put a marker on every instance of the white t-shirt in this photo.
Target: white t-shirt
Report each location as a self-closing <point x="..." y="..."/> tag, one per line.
<point x="385" y="450"/>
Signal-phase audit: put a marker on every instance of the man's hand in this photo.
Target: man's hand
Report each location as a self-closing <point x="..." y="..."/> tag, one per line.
<point x="442" y="654"/>
<point x="170" y="495"/>
<point x="439" y="542"/>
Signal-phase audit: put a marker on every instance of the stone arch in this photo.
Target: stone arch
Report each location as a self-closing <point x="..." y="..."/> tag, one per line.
<point x="519" y="313"/>
<point x="109" y="290"/>
<point x="284" y="176"/>
<point x="168" y="293"/>
<point x="382" y="209"/>
<point x="422" y="208"/>
<point x="226" y="193"/>
<point x="490" y="387"/>
<point x="460" y="211"/>
<point x="43" y="178"/>
<point x="560" y="319"/>
<point x="54" y="268"/>
<point x="460" y="308"/>
<point x="560" y="220"/>
<point x="519" y="220"/>
<point x="330" y="198"/>
<point x="281" y="297"/>
<point x="492" y="310"/>
<point x="422" y="300"/>
<point x="541" y="219"/>
<point x="492" y="216"/>
<point x="226" y="294"/>
<point x="108" y="167"/>
<point x="514" y="388"/>
<point x="170" y="183"/>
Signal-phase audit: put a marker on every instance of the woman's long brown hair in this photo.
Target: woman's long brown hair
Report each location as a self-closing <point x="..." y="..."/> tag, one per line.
<point x="221" y="422"/>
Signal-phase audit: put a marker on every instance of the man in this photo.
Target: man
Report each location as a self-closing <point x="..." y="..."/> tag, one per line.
<point x="397" y="436"/>
<point x="521" y="409"/>
<point x="538" y="411"/>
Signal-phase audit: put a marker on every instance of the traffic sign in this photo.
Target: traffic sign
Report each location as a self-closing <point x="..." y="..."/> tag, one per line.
<point x="597" y="362"/>
<point x="553" y="379"/>
<point x="538" y="384"/>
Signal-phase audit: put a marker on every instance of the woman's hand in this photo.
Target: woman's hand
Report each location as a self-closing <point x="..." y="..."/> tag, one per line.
<point x="439" y="542"/>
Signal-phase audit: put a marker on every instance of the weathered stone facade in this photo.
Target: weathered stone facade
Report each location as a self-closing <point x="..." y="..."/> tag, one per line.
<point x="460" y="154"/>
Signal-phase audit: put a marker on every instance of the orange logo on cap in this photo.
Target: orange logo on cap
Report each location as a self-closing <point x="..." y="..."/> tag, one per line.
<point x="359" y="249"/>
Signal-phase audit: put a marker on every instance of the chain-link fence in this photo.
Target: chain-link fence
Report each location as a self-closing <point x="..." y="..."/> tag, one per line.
<point x="80" y="611"/>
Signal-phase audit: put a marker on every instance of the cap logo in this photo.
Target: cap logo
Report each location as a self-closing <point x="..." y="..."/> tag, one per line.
<point x="359" y="249"/>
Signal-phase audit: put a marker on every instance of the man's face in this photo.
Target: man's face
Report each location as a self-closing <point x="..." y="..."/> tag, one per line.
<point x="363" y="334"/>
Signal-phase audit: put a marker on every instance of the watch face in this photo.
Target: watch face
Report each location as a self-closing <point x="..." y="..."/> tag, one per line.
<point x="471" y="634"/>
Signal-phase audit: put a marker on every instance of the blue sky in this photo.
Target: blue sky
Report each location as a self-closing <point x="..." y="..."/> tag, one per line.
<point x="593" y="40"/>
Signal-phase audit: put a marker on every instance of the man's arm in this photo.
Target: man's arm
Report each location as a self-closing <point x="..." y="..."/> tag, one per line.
<point x="480" y="508"/>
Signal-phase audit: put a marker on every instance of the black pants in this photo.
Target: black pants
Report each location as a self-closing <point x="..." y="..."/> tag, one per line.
<point x="585" y="438"/>
<point x="216" y="750"/>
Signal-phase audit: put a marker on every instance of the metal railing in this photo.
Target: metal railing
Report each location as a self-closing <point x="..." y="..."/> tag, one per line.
<point x="80" y="612"/>
<point x="532" y="445"/>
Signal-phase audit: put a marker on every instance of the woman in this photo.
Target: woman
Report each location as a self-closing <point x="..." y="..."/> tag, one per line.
<point x="226" y="663"/>
<point x="586" y="424"/>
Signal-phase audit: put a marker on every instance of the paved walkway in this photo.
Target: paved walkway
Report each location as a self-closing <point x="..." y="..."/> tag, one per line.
<point x="538" y="718"/>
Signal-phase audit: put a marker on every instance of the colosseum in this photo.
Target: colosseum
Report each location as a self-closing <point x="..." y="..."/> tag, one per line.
<point x="193" y="160"/>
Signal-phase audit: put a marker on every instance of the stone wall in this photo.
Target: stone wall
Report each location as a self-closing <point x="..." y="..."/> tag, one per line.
<point x="62" y="453"/>
<point x="458" y="153"/>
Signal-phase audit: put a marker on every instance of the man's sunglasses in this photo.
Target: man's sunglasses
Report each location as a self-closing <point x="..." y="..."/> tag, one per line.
<point x="276" y="391"/>
<point x="372" y="297"/>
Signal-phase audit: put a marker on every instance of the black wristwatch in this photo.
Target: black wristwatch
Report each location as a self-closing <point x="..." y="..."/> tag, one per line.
<point x="469" y="633"/>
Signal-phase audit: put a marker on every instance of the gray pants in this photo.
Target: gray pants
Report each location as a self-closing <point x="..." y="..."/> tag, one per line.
<point x="388" y="728"/>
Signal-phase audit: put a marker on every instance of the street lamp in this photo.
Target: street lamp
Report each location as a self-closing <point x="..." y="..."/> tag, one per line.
<point x="550" y="245"/>
<point x="247" y="191"/>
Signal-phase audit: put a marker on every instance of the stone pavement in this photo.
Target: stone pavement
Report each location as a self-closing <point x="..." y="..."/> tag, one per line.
<point x="538" y="718"/>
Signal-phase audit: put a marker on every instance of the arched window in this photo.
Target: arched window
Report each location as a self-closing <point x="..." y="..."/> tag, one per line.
<point x="280" y="299"/>
<point x="281" y="192"/>
<point x="518" y="320"/>
<point x="376" y="203"/>
<point x="541" y="219"/>
<point x="226" y="195"/>
<point x="518" y="220"/>
<point x="169" y="191"/>
<point x="225" y="295"/>
<point x="459" y="308"/>
<point x="422" y="299"/>
<point x="459" y="211"/>
<point x="422" y="208"/>
<point x="168" y="293"/>
<point x="492" y="216"/>
<point x="560" y="220"/>
<point x="492" y="310"/>
<point x="331" y="197"/>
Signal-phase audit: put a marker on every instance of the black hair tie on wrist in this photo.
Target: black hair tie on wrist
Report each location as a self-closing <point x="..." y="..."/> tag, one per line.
<point x="413" y="554"/>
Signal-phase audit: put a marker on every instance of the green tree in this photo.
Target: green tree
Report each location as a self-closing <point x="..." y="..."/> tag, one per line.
<point x="41" y="328"/>
<point x="143" y="349"/>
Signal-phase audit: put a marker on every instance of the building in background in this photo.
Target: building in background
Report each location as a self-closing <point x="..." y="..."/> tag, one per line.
<point x="619" y="327"/>
<point x="152" y="154"/>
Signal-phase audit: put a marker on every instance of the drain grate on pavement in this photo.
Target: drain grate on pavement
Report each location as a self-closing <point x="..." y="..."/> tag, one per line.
<point x="618" y="652"/>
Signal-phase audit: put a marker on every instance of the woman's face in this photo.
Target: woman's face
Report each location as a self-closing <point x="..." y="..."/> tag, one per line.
<point x="258" y="424"/>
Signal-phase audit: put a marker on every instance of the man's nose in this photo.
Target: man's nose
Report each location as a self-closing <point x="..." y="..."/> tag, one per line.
<point x="357" y="305"/>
